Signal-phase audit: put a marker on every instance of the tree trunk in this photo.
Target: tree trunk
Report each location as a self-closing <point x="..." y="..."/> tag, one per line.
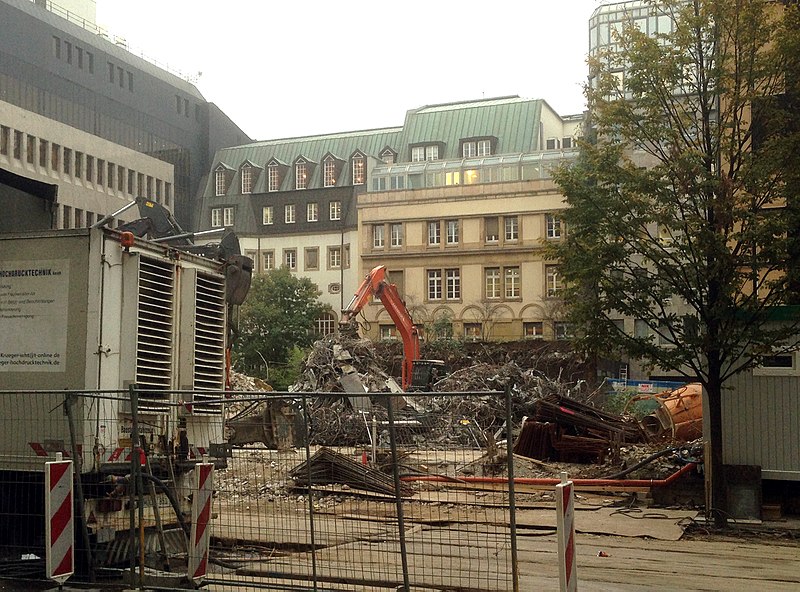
<point x="716" y="487"/>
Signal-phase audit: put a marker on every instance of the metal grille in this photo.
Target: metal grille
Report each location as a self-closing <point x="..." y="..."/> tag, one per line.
<point x="154" y="333"/>
<point x="209" y="342"/>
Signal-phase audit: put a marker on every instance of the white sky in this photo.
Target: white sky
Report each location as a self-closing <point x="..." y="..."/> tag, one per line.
<point x="282" y="68"/>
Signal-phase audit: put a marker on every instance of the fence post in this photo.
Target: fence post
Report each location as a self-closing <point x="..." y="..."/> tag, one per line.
<point x="201" y="521"/>
<point x="307" y="426"/>
<point x="512" y="502"/>
<point x="565" y="523"/>
<point x="59" y="520"/>
<point x="398" y="499"/>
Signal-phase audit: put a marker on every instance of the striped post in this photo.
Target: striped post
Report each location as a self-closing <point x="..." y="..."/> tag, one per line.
<point x="59" y="520"/>
<point x="201" y="517"/>
<point x="565" y="506"/>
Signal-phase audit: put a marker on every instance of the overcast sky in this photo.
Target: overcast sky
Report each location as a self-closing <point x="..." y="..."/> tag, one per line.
<point x="284" y="69"/>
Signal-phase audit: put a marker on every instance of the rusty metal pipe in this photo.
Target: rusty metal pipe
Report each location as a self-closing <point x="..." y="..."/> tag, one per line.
<point x="555" y="481"/>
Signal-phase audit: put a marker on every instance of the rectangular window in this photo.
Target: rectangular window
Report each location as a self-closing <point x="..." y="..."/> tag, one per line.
<point x="312" y="212"/>
<point x="566" y="143"/>
<point x="67" y="217"/>
<point x="68" y="56"/>
<point x="396" y="235"/>
<point x="267" y="215"/>
<point x="17" y="152"/>
<point x="434" y="284"/>
<point x="90" y="61"/>
<point x="335" y="210"/>
<point x="78" y="164"/>
<point x="30" y="149"/>
<point x="334" y="257"/>
<point x="434" y="233"/>
<point x="274" y="178"/>
<point x="561" y="330"/>
<point x="289" y="213"/>
<point x="512" y="228"/>
<point x="131" y="182"/>
<point x="533" y="330"/>
<point x="68" y="162"/>
<point x="484" y="147"/>
<point x="554" y="284"/>
<point x="140" y="188"/>
<point x="512" y="282"/>
<point x="452" y="232"/>
<point x="387" y="332"/>
<point x="300" y="176"/>
<point x="55" y="154"/>
<point x="551" y="144"/>
<point x="227" y="217"/>
<point x="110" y="176"/>
<point x="247" y="179"/>
<point x="492" y="283"/>
<point x="329" y="173"/>
<point x="453" y="178"/>
<point x="57" y="47"/>
<point x="130" y="81"/>
<point x="377" y="236"/>
<point x="5" y="138"/>
<point x="553" y="226"/>
<point x="490" y="229"/>
<point x="268" y="260"/>
<point x="111" y="70"/>
<point x="290" y="259"/>
<point x="453" y="283"/>
<point x="149" y="187"/>
<point x="473" y="331"/>
<point x="78" y="218"/>
<point x="423" y="153"/>
<point x="79" y="56"/>
<point x="311" y="258"/>
<point x="469" y="149"/>
<point x="358" y="170"/>
<point x="216" y="217"/>
<point x="101" y="167"/>
<point x="89" y="168"/>
<point x="120" y="78"/>
<point x="219" y="183"/>
<point x="44" y="147"/>
<point x="120" y="178"/>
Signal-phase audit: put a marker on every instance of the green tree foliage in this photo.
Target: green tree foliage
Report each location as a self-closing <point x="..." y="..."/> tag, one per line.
<point x="278" y="315"/>
<point x="680" y="213"/>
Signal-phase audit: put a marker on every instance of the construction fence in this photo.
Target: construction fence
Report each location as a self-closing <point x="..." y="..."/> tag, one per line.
<point x="303" y="491"/>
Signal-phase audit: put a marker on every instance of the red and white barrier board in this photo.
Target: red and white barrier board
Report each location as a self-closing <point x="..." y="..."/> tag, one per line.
<point x="59" y="519"/>
<point x="565" y="506"/>
<point x="201" y="518"/>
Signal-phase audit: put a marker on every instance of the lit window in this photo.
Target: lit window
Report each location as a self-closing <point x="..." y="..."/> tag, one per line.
<point x="300" y="175"/>
<point x="553" y="226"/>
<point x="512" y="228"/>
<point x="274" y="178"/>
<point x="434" y="284"/>
<point x="396" y="235"/>
<point x="453" y="283"/>
<point x="492" y="282"/>
<point x="452" y="232"/>
<point x="335" y="210"/>
<point x="268" y="260"/>
<point x="453" y="178"/>
<point x="289" y="214"/>
<point x="434" y="233"/>
<point x="312" y="212"/>
<point x="358" y="170"/>
<point x="377" y="236"/>
<point x="216" y="217"/>
<point x="553" y="281"/>
<point x="219" y="182"/>
<point x="247" y="179"/>
<point x="290" y="258"/>
<point x="388" y="157"/>
<point x="512" y="282"/>
<point x="329" y="171"/>
<point x="267" y="215"/>
<point x="334" y="258"/>
<point x="227" y="217"/>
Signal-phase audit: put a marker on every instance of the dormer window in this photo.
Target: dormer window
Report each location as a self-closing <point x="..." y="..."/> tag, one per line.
<point x="300" y="175"/>
<point x="359" y="170"/>
<point x="329" y="170"/>
<point x="273" y="178"/>
<point x="476" y="147"/>
<point x="219" y="182"/>
<point x="247" y="179"/>
<point x="426" y="152"/>
<point x="388" y="156"/>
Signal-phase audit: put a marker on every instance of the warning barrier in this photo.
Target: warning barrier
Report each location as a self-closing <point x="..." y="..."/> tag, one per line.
<point x="59" y="520"/>
<point x="201" y="517"/>
<point x="565" y="506"/>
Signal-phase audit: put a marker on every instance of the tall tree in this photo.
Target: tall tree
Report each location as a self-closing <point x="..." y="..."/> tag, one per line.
<point x="680" y="210"/>
<point x="279" y="314"/>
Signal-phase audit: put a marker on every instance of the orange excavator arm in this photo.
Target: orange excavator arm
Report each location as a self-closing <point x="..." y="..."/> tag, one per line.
<point x="376" y="285"/>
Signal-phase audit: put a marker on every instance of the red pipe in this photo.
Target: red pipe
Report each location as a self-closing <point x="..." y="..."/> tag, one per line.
<point x="554" y="481"/>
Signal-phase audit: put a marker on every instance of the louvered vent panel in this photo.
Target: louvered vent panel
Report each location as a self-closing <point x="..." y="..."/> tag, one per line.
<point x="209" y="343"/>
<point x="154" y="333"/>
